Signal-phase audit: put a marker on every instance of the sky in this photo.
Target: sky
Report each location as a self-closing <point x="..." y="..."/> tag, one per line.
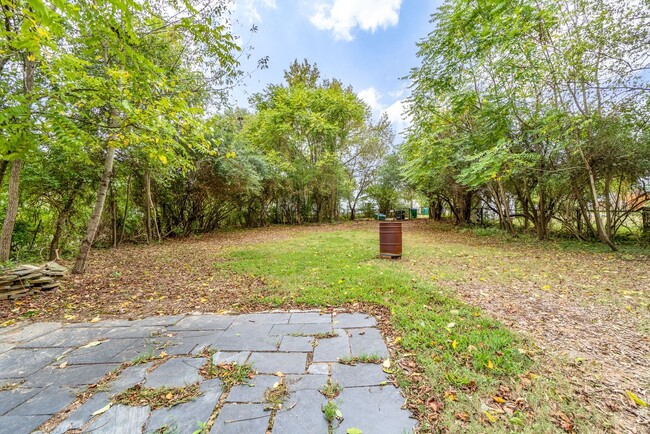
<point x="368" y="44"/>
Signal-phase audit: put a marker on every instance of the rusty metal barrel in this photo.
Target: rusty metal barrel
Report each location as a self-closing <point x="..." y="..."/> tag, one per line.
<point x="390" y="240"/>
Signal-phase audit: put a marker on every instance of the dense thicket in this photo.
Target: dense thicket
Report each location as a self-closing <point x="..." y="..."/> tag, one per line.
<point x="537" y="111"/>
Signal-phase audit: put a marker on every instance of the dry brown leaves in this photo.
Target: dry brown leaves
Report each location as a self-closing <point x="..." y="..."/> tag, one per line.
<point x="136" y="281"/>
<point x="588" y="309"/>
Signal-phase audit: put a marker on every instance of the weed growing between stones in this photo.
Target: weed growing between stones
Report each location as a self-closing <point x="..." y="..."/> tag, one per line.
<point x="363" y="358"/>
<point x="231" y="374"/>
<point x="276" y="395"/>
<point x="332" y="413"/>
<point x="159" y="397"/>
<point x="331" y="390"/>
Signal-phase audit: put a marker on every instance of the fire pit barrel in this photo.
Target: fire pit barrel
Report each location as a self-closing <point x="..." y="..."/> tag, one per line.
<point x="390" y="240"/>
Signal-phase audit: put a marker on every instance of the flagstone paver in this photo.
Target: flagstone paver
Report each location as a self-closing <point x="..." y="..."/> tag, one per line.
<point x="44" y="366"/>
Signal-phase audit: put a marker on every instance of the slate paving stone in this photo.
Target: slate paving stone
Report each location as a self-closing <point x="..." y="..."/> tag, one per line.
<point x="187" y="341"/>
<point x="333" y="349"/>
<point x="246" y="342"/>
<point x="19" y="363"/>
<point x="367" y="341"/>
<point x="300" y="329"/>
<point x="203" y="322"/>
<point x="226" y="357"/>
<point x="10" y="399"/>
<point x="29" y="332"/>
<point x="176" y="373"/>
<point x="353" y="320"/>
<point x="120" y="419"/>
<point x="74" y="375"/>
<point x="287" y="363"/>
<point x="319" y="368"/>
<point x="187" y="418"/>
<point x="67" y="338"/>
<point x="305" y="382"/>
<point x="310" y="317"/>
<point x="128" y="378"/>
<point x="5" y="347"/>
<point x="107" y="352"/>
<point x="49" y="400"/>
<point x="20" y="424"/>
<point x="78" y="418"/>
<point x="138" y="348"/>
<point x="253" y="391"/>
<point x="269" y="341"/>
<point x="110" y="323"/>
<point x="297" y="343"/>
<point x="134" y="332"/>
<point x="166" y="321"/>
<point x="302" y="413"/>
<point x="262" y="318"/>
<point x="241" y="418"/>
<point x="362" y="374"/>
<point x="374" y="410"/>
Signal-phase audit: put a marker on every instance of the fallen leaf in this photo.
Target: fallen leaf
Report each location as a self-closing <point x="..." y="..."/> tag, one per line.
<point x="92" y="344"/>
<point x="279" y="374"/>
<point x="490" y="365"/>
<point x="169" y="395"/>
<point x="353" y="431"/>
<point x="454" y="344"/>
<point x="491" y="418"/>
<point x="498" y="399"/>
<point x="96" y="319"/>
<point x="386" y="363"/>
<point x="635" y="399"/>
<point x="63" y="365"/>
<point x="103" y="409"/>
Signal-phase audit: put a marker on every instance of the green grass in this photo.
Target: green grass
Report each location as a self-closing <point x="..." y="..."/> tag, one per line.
<point x="457" y="347"/>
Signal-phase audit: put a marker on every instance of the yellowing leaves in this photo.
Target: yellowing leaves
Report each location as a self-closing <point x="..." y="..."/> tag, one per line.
<point x="635" y="399"/>
<point x="163" y="159"/>
<point x="231" y="154"/>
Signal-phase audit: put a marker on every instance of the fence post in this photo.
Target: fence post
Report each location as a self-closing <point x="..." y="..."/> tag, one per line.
<point x="645" y="213"/>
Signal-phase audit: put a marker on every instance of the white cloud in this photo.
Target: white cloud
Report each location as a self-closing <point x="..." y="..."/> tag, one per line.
<point x="397" y="115"/>
<point x="371" y="96"/>
<point x="341" y="16"/>
<point x="396" y="111"/>
<point x="250" y="9"/>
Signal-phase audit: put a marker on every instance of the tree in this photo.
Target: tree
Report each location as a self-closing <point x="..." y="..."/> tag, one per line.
<point x="524" y="117"/>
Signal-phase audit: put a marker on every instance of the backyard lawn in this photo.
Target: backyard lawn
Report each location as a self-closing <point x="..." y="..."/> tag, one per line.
<point x="487" y="333"/>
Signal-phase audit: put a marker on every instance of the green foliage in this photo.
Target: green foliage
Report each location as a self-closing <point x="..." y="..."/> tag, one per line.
<point x="523" y="102"/>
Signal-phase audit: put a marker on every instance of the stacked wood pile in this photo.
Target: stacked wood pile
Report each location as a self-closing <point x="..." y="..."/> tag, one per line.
<point x="27" y="279"/>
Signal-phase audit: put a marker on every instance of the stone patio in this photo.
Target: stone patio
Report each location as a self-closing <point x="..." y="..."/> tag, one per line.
<point x="44" y="366"/>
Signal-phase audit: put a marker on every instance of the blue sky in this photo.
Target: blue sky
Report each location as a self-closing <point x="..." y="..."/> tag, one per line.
<point x="369" y="44"/>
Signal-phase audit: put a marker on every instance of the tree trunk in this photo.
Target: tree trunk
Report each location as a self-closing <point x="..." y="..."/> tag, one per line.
<point x="3" y="169"/>
<point x="594" y="195"/>
<point x="126" y="208"/>
<point x="147" y="207"/>
<point x="60" y="221"/>
<point x="93" y="224"/>
<point x="113" y="217"/>
<point x="151" y="210"/>
<point x="12" y="210"/>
